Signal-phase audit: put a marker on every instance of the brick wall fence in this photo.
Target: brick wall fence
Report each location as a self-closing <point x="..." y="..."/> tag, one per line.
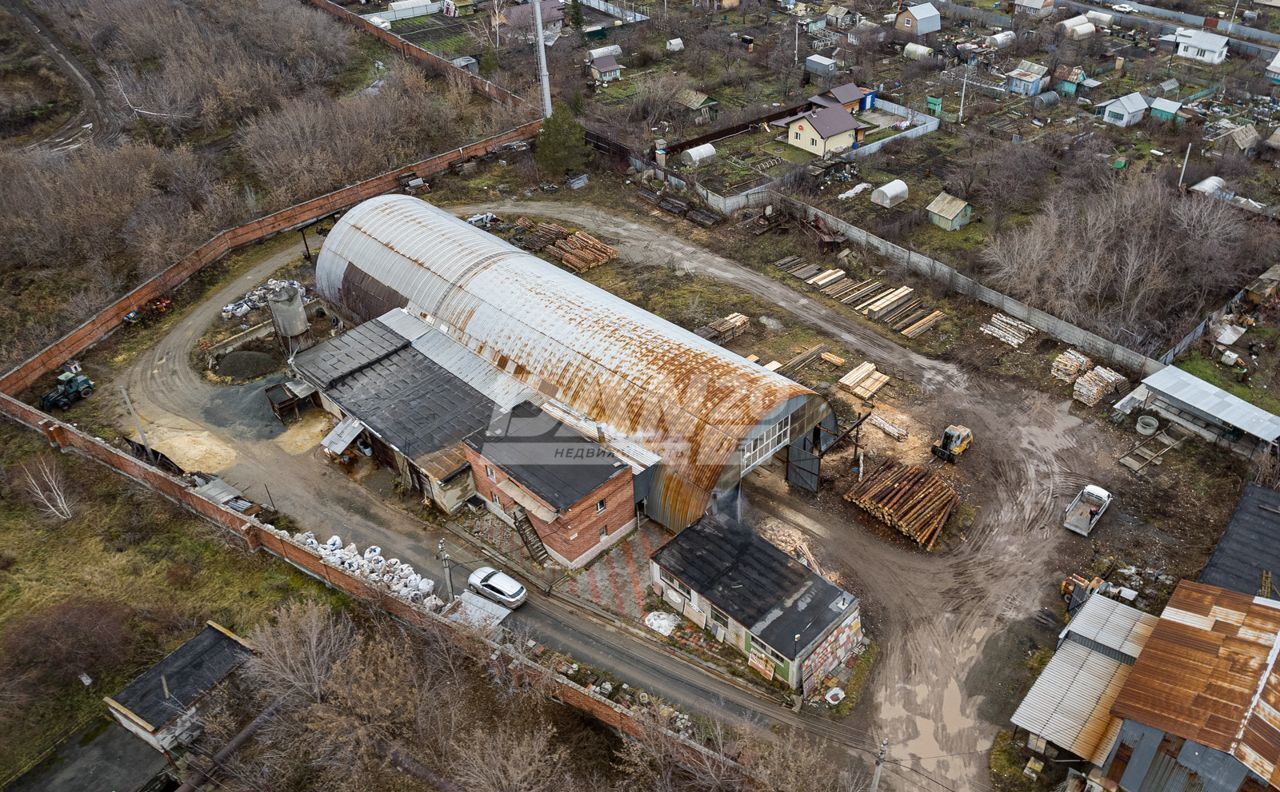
<point x="432" y="63"/>
<point x="257" y="536"/>
<point x="111" y="317"/>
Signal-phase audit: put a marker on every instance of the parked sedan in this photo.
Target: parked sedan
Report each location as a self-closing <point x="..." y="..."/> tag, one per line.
<point x="497" y="586"/>
<point x="1123" y="8"/>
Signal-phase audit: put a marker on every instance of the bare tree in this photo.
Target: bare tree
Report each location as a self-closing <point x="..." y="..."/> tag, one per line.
<point x="295" y="655"/>
<point x="47" y="486"/>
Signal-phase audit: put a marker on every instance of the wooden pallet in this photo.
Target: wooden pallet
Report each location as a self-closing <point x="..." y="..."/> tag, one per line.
<point x="1151" y="451"/>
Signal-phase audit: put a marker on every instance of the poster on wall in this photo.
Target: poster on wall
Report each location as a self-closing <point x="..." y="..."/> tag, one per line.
<point x="761" y="663"/>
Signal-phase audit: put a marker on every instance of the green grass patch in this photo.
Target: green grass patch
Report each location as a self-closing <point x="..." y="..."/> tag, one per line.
<point x="1217" y="374"/>
<point x="1006" y="763"/>
<point x="170" y="572"/>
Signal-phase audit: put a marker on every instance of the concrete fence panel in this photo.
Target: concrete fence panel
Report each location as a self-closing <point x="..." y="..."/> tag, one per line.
<point x="1090" y="343"/>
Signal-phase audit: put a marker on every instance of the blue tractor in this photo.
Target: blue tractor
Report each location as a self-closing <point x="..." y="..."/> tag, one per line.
<point x="73" y="385"/>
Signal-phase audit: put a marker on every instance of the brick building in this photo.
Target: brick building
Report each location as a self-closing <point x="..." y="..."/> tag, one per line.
<point x="578" y="497"/>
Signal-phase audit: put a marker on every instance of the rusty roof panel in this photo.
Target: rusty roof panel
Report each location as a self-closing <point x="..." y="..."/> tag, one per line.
<point x="689" y="401"/>
<point x="1208" y="674"/>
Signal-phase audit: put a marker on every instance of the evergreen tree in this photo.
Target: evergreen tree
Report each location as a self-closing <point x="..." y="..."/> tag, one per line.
<point x="561" y="146"/>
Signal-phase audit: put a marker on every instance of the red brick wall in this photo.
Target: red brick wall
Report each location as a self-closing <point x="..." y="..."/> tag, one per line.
<point x="577" y="529"/>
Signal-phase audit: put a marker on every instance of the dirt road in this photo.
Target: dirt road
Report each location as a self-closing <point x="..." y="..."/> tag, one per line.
<point x="949" y="624"/>
<point x="98" y="119"/>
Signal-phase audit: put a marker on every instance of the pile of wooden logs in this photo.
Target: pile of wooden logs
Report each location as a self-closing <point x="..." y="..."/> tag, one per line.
<point x="893" y="430"/>
<point x="863" y="381"/>
<point x="897" y="306"/>
<point x="912" y="499"/>
<point x="802" y="359"/>
<point x="1007" y="329"/>
<point x="575" y="249"/>
<point x="1070" y="365"/>
<point x="1096" y="384"/>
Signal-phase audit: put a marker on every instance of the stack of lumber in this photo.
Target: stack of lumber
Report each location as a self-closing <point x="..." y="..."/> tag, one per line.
<point x="893" y="430"/>
<point x="801" y="360"/>
<point x="725" y="329"/>
<point x="1070" y="365"/>
<point x="773" y="365"/>
<point x="922" y="324"/>
<point x="834" y="360"/>
<point x="863" y="381"/>
<point x="1097" y="383"/>
<point x="1007" y="329"/>
<point x="879" y="305"/>
<point x="912" y="499"/>
<point x="826" y="278"/>
<point x="575" y="249"/>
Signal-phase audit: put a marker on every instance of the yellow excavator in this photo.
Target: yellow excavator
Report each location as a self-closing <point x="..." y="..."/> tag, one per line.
<point x="955" y="440"/>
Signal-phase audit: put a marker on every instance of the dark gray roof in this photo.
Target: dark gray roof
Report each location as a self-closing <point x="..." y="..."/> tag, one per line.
<point x="406" y="398"/>
<point x="189" y="672"/>
<point x="756" y="584"/>
<point x="1250" y="545"/>
<point x="546" y="457"/>
<point x="849" y="92"/>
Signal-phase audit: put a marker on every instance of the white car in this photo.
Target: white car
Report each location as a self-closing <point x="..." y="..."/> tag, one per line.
<point x="497" y="586"/>
<point x="1123" y="8"/>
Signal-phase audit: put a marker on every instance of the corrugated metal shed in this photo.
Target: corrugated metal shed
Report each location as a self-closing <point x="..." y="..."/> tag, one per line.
<point x="1070" y="703"/>
<point x="1214" y="403"/>
<point x="947" y="205"/>
<point x="1208" y="674"/>
<point x="687" y="400"/>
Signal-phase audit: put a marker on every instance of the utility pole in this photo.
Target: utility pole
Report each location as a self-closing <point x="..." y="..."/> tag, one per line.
<point x="796" y="62"/>
<point x="964" y="85"/>
<point x="1183" y="173"/>
<point x="1231" y="26"/>
<point x="443" y="555"/>
<point x="875" y="777"/>
<point x="137" y="424"/>
<point x="543" y="76"/>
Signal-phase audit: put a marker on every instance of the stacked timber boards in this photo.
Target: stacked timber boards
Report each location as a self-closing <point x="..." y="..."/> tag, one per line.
<point x="897" y="306"/>
<point x="863" y="381"/>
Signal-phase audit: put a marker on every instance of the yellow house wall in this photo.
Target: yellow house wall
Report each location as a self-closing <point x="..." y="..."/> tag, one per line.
<point x="810" y="141"/>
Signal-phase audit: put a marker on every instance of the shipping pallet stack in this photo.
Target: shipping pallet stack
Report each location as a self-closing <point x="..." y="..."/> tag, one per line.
<point x="1070" y="365"/>
<point x="863" y="381"/>
<point x="1096" y="384"/>
<point x="914" y="500"/>
<point x="1007" y="329"/>
<point x="575" y="249"/>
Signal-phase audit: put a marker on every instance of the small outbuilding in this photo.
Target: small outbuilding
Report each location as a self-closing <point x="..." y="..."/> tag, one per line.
<point x="820" y="65"/>
<point x="840" y="18"/>
<point x="1045" y="100"/>
<point x="675" y="45"/>
<point x="1126" y="111"/>
<point x="949" y="212"/>
<point x="1077" y="27"/>
<point x="1002" y="40"/>
<point x="918" y="20"/>
<point x="162" y="705"/>
<point x="606" y="69"/>
<point x="890" y="195"/>
<point x="1027" y="79"/>
<point x="1166" y="110"/>
<point x="1206" y="410"/>
<point x="698" y="154"/>
<point x="1273" y="69"/>
<point x="1037" y="9"/>
<point x="1200" y="45"/>
<point x="697" y="106"/>
<point x="793" y="625"/>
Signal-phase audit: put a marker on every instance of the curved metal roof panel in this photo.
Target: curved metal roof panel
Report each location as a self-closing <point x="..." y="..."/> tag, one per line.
<point x="686" y="399"/>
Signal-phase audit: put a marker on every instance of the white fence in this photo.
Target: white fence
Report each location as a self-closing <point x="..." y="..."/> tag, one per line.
<point x="626" y="15"/>
<point x="1090" y="343"/>
<point x="924" y="125"/>
<point x="421" y="9"/>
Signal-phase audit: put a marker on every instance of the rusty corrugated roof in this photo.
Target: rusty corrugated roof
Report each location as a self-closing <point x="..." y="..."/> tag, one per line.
<point x="684" y="398"/>
<point x="1207" y="674"/>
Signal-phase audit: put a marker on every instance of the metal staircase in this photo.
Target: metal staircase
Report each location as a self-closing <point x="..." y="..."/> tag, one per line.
<point x="532" y="542"/>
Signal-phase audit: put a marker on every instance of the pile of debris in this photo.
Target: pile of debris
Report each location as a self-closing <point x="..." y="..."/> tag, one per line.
<point x="575" y="249"/>
<point x="1096" y="384"/>
<point x="912" y="499"/>
<point x="726" y="329"/>
<point x="257" y="298"/>
<point x="1007" y="329"/>
<point x="863" y="381"/>
<point x="1070" y="365"/>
